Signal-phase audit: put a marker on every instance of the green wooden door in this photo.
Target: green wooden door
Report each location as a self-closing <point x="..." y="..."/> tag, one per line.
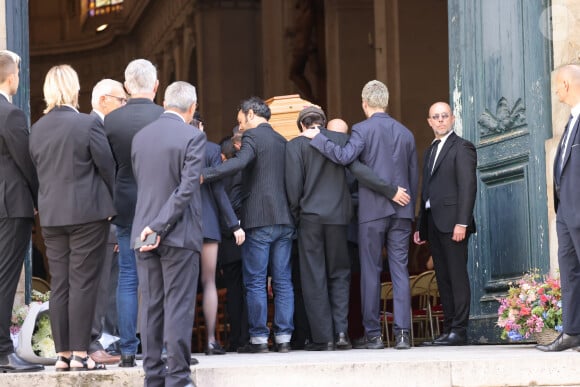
<point x="500" y="65"/>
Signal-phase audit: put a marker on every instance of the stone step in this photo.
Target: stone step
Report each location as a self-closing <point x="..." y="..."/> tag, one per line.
<point x="470" y="366"/>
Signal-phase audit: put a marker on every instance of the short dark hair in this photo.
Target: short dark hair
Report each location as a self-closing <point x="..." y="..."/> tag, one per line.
<point x="227" y="147"/>
<point x="257" y="105"/>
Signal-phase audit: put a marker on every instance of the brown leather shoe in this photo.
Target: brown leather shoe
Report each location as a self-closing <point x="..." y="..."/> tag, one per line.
<point x="103" y="357"/>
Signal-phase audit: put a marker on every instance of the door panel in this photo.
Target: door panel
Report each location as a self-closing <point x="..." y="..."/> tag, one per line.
<point x="500" y="85"/>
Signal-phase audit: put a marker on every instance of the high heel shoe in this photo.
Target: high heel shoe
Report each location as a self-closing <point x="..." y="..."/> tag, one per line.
<point x="84" y="362"/>
<point x="214" y="348"/>
<point x="65" y="360"/>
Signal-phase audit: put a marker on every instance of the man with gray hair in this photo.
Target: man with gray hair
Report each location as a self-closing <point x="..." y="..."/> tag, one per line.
<point x="107" y="96"/>
<point x="19" y="189"/>
<point x="167" y="157"/>
<point x="388" y="148"/>
<point x="120" y="126"/>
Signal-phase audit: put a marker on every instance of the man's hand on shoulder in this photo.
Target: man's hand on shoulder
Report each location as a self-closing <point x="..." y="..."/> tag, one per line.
<point x="310" y="133"/>
<point x="402" y="198"/>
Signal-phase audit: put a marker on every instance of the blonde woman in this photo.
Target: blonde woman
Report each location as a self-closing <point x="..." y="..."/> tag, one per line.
<point x="75" y="169"/>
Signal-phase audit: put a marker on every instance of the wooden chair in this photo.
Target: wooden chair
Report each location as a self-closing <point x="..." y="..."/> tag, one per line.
<point x="421" y="313"/>
<point x="41" y="285"/>
<point x="436" y="307"/>
<point x="386" y="315"/>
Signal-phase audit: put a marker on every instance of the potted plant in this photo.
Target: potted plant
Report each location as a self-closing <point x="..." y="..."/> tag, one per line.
<point x="532" y="308"/>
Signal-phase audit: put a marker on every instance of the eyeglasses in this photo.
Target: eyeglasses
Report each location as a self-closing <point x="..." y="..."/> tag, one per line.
<point x="122" y="100"/>
<point x="443" y="116"/>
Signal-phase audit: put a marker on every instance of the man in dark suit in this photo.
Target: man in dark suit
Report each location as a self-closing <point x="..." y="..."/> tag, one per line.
<point x="18" y="188"/>
<point x="446" y="219"/>
<point x="567" y="206"/>
<point x="268" y="224"/>
<point x="388" y="148"/>
<point x="320" y="202"/>
<point x="107" y="96"/>
<point x="167" y="157"/>
<point x="121" y="125"/>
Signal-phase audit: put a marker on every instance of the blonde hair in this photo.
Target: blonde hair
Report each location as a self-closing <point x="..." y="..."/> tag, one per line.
<point x="61" y="87"/>
<point x="376" y="94"/>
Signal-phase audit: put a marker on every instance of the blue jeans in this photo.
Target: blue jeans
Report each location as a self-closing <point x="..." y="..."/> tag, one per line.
<point x="127" y="299"/>
<point x="269" y="246"/>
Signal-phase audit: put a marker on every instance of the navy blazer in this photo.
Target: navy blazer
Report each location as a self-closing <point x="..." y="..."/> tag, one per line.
<point x="214" y="198"/>
<point x="75" y="167"/>
<point x="121" y="125"/>
<point x="167" y="156"/>
<point x="18" y="181"/>
<point x="452" y="187"/>
<point x="566" y="200"/>
<point x="388" y="148"/>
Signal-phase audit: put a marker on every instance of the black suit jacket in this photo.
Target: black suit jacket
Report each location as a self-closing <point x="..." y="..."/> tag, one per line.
<point x="167" y="157"/>
<point x="18" y="181"/>
<point x="317" y="188"/>
<point x="261" y="158"/>
<point x="120" y="126"/>
<point x="75" y="168"/>
<point x="566" y="186"/>
<point x="452" y="187"/>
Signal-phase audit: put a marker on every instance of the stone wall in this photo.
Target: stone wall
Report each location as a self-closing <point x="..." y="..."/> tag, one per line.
<point x="565" y="36"/>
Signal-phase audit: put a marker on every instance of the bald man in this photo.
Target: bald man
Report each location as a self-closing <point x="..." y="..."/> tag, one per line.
<point x="567" y="206"/>
<point x="446" y="219"/>
<point x="337" y="125"/>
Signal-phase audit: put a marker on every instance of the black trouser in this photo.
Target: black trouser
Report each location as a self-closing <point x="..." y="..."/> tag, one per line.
<point x="231" y="266"/>
<point x="74" y="256"/>
<point x="325" y="273"/>
<point x="450" y="261"/>
<point x="14" y="241"/>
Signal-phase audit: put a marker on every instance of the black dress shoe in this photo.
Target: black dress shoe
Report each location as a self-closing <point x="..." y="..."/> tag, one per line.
<point x="254" y="348"/>
<point x="453" y="339"/>
<point x="562" y="343"/>
<point x="368" y="343"/>
<point x="283" y="347"/>
<point x="127" y="361"/>
<point x="215" y="349"/>
<point x="342" y="341"/>
<point x="441" y="337"/>
<point x="320" y="346"/>
<point x="14" y="363"/>
<point x="402" y="340"/>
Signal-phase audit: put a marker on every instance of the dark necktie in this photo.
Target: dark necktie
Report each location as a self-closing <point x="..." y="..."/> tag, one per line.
<point x="563" y="148"/>
<point x="432" y="154"/>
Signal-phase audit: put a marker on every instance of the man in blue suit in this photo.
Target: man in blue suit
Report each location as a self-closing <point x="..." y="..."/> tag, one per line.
<point x="167" y="156"/>
<point x="388" y="148"/>
<point x="567" y="206"/>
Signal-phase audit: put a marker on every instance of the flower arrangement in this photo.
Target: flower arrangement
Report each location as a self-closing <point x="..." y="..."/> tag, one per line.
<point x="20" y="312"/>
<point x="534" y="304"/>
<point x="42" y="341"/>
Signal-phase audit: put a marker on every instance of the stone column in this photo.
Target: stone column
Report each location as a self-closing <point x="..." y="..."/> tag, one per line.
<point x="564" y="32"/>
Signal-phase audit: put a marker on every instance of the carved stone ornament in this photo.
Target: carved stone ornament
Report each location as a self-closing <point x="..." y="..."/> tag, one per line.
<point x="504" y="120"/>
